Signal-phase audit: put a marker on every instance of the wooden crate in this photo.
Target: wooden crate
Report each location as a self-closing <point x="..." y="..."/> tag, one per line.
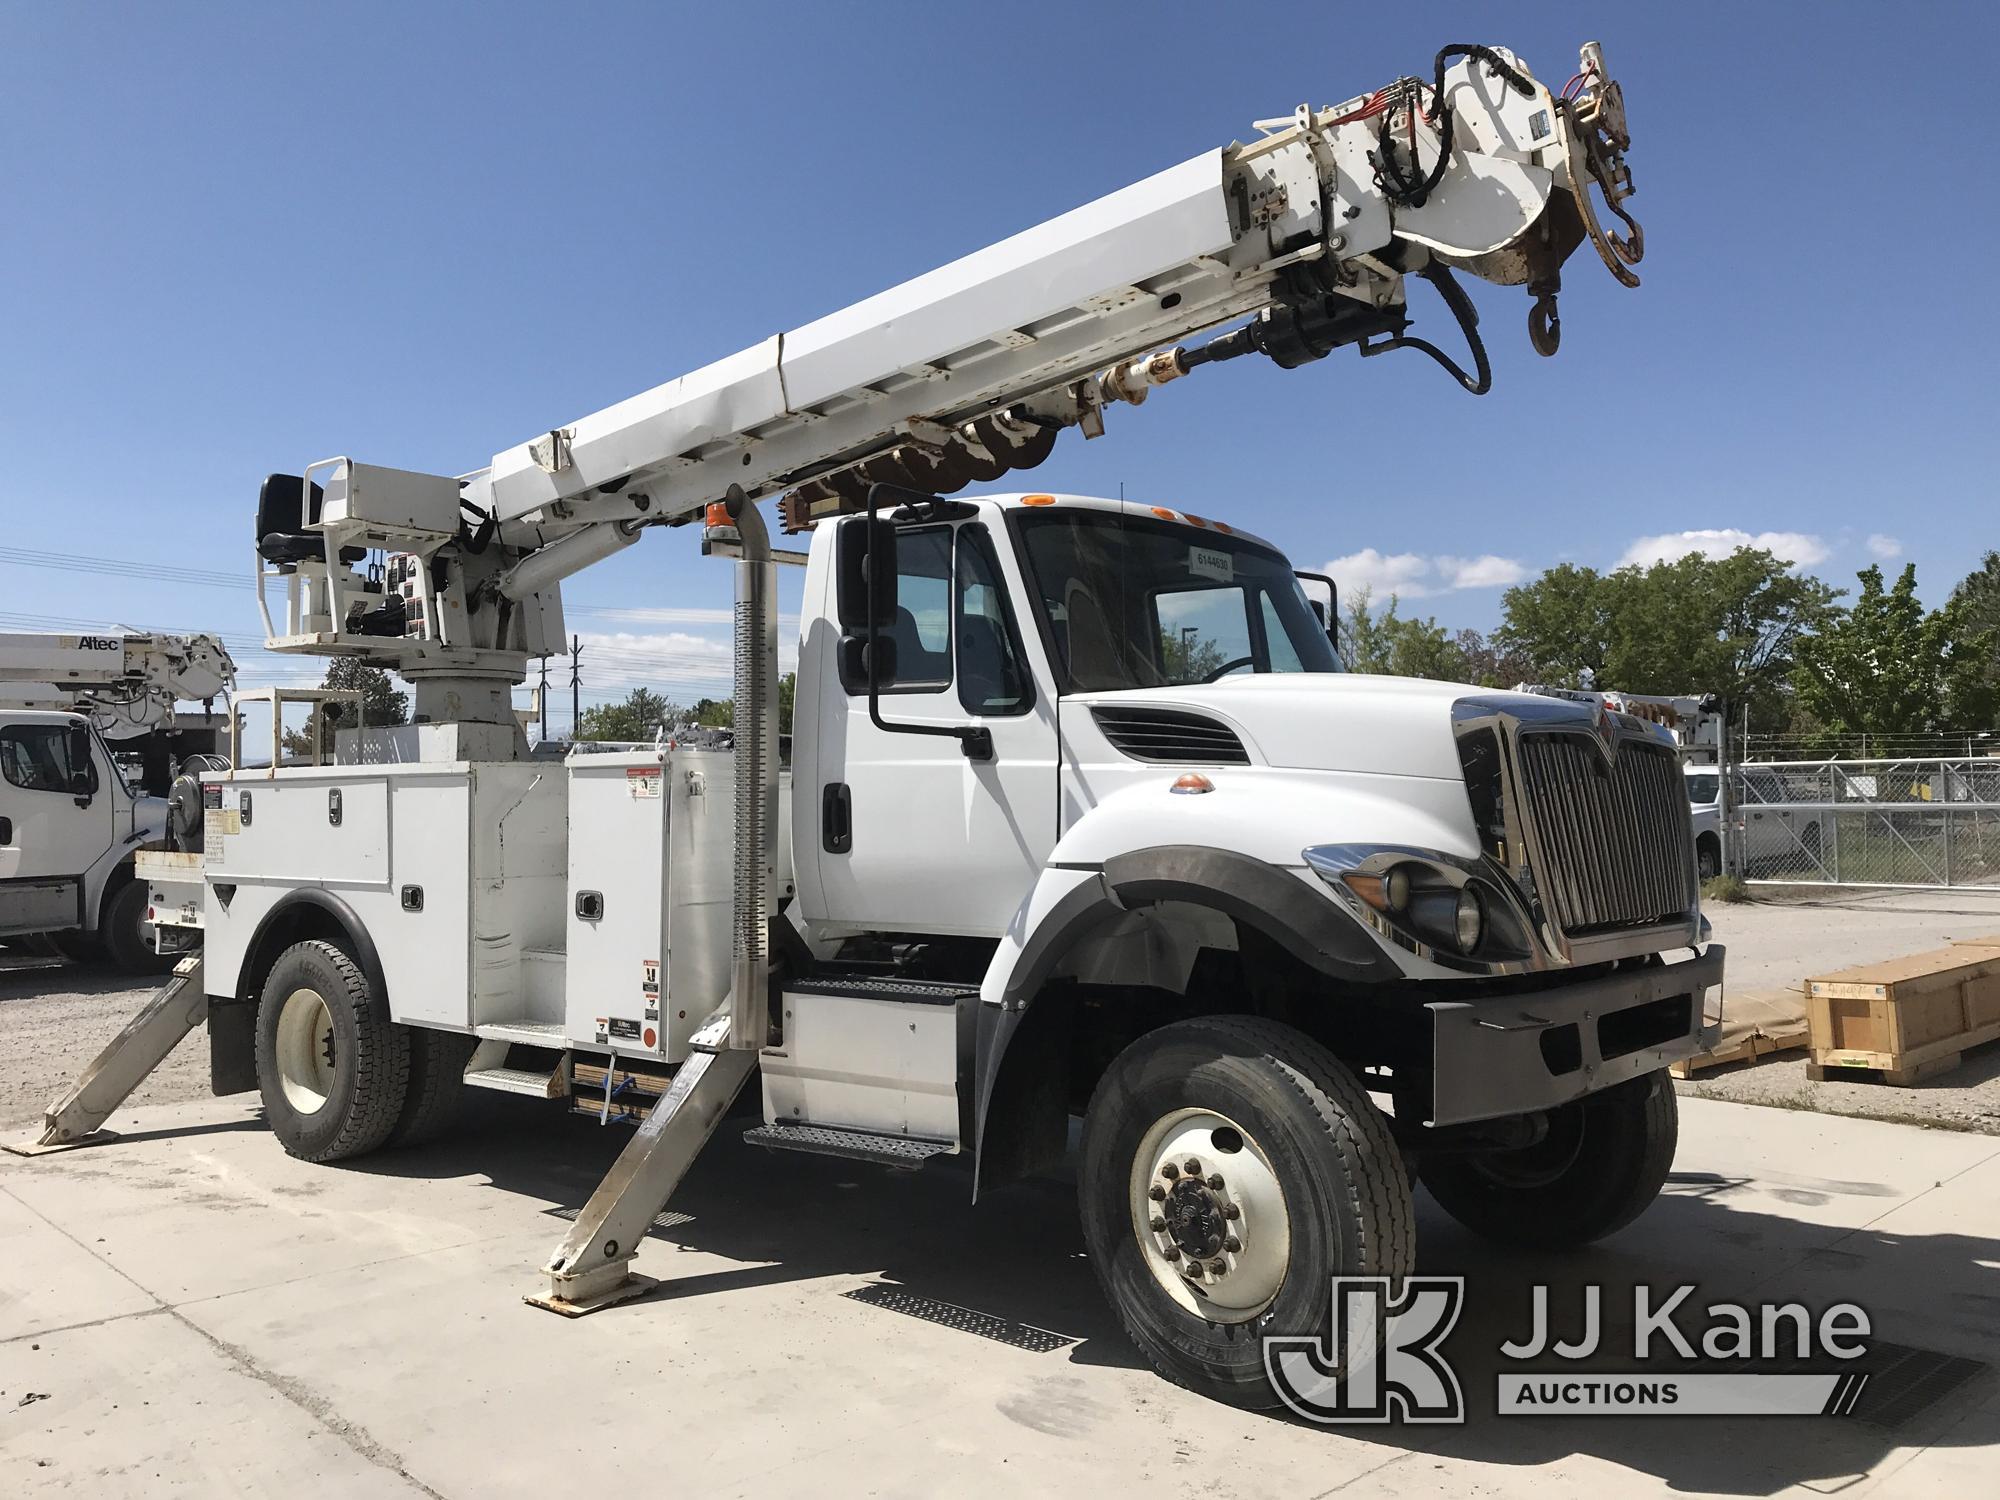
<point x="1907" y="1019"/>
<point x="1755" y="1023"/>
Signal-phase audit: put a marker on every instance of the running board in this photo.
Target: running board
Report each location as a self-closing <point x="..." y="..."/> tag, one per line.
<point x="487" y="1069"/>
<point x="591" y="1270"/>
<point x="180" y="1005"/>
<point x="856" y="1145"/>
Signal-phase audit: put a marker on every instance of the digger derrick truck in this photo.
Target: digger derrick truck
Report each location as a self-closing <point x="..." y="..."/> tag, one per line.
<point x="1082" y="817"/>
<point x="73" y="831"/>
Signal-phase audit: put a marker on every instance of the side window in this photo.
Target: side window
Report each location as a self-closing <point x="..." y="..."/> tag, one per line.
<point x="1284" y="655"/>
<point x="991" y="679"/>
<point x="923" y="611"/>
<point x="35" y="757"/>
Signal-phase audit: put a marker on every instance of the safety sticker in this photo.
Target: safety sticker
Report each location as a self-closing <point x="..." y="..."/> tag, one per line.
<point x="643" y="781"/>
<point x="217" y="823"/>
<point x="649" y="980"/>
<point x="623" y="1030"/>
<point x="1209" y="562"/>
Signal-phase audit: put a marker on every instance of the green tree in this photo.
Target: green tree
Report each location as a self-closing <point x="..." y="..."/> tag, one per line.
<point x="1885" y="667"/>
<point x="1727" y="625"/>
<point x="1389" y="643"/>
<point x="637" y="719"/>
<point x="1978" y="595"/>
<point x="1189" y="656"/>
<point x="381" y="705"/>
<point x="1560" y="624"/>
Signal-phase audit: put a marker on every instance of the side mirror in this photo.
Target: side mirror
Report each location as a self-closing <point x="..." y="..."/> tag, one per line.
<point x="82" y="780"/>
<point x="865" y="546"/>
<point x="1328" y="614"/>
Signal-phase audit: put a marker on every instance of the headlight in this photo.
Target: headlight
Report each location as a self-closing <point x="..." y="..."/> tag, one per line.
<point x="1469" y="921"/>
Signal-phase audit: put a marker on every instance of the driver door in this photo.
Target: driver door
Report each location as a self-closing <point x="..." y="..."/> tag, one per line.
<point x="913" y="835"/>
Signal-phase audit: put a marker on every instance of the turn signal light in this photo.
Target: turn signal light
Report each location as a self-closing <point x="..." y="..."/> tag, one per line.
<point x="1191" y="783"/>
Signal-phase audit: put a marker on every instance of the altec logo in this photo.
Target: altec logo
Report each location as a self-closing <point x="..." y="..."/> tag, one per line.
<point x="1381" y="1358"/>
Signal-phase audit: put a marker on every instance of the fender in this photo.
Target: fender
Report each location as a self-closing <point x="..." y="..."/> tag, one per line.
<point x="1275" y="902"/>
<point x="232" y="1030"/>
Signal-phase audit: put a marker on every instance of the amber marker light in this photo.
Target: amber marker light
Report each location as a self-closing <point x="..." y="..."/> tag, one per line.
<point x="1190" y="784"/>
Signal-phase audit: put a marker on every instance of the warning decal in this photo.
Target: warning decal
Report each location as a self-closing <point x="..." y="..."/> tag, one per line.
<point x="643" y="781"/>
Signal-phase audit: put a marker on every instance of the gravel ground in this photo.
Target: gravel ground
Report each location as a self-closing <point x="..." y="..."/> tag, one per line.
<point x="1776" y="944"/>
<point x="53" y="1021"/>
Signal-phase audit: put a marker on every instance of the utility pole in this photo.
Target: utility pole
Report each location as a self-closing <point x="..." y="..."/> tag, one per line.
<point x="575" y="685"/>
<point x="542" y="702"/>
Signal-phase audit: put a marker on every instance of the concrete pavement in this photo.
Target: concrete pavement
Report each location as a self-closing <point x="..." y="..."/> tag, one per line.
<point x="206" y="1316"/>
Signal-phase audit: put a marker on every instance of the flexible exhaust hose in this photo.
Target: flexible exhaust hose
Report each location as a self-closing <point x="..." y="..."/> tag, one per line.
<point x="756" y="775"/>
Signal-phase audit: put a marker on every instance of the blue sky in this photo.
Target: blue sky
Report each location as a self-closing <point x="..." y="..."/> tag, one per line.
<point x="236" y="238"/>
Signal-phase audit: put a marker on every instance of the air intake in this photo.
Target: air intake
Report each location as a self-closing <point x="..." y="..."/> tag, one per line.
<point x="1167" y="734"/>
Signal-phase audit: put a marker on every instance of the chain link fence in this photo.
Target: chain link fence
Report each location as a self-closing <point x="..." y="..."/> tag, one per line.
<point x="1923" y="823"/>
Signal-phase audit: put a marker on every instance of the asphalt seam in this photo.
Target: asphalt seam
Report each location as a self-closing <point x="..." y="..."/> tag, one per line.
<point x="297" y="1394"/>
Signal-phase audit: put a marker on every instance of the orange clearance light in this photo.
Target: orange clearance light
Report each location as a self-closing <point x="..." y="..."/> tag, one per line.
<point x="1219" y="526"/>
<point x="1164" y="514"/>
<point x="1038" y="499"/>
<point x="1195" y="520"/>
<point x="1191" y="783"/>
<point x="718" y="514"/>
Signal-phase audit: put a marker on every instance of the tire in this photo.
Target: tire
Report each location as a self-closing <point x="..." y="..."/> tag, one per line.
<point x="1603" y="1163"/>
<point x="437" y="1083"/>
<point x="1301" y="1150"/>
<point x="127" y="936"/>
<point x="334" y="1070"/>
<point x="1708" y="859"/>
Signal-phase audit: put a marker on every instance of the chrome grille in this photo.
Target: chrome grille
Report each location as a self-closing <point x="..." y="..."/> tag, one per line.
<point x="1613" y="844"/>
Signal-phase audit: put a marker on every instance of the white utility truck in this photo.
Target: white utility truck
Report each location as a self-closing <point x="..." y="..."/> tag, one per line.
<point x="1082" y="817"/>
<point x="70" y="824"/>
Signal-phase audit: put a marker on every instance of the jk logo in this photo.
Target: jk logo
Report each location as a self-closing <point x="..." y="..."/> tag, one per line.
<point x="1379" y="1359"/>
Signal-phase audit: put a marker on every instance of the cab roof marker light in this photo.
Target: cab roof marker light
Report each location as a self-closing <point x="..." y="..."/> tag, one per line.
<point x="1038" y="499"/>
<point x="1164" y="514"/>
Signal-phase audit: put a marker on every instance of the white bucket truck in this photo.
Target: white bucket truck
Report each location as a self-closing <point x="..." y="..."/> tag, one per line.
<point x="1082" y="818"/>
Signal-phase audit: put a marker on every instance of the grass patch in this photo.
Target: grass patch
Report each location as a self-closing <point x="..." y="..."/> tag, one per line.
<point x="1725" y="888"/>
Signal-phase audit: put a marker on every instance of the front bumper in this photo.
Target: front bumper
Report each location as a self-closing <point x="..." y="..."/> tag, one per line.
<point x="1510" y="1056"/>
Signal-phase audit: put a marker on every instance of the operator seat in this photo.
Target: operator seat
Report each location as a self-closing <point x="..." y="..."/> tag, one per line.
<point x="285" y="514"/>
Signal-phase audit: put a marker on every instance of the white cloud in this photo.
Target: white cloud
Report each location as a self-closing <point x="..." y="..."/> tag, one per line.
<point x="675" y="662"/>
<point x="668" y="615"/>
<point x="1884" y="547"/>
<point x="1410" y="575"/>
<point x="1483" y="572"/>
<point x="1802" y="549"/>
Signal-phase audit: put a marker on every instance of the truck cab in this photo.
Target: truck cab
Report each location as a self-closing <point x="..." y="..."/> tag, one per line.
<point x="69" y="827"/>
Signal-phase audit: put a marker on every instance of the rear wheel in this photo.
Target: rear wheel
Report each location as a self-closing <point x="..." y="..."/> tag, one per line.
<point x="437" y="1082"/>
<point x="127" y="932"/>
<point x="1708" y="859"/>
<point x="334" y="1070"/>
<point x="1600" y="1166"/>
<point x="1231" y="1169"/>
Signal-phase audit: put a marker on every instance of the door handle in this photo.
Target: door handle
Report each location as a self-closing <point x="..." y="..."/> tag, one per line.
<point x="6" y="830"/>
<point x="836" y="818"/>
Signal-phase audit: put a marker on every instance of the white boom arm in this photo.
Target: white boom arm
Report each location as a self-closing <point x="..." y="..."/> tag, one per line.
<point x="973" y="369"/>
<point x="127" y="683"/>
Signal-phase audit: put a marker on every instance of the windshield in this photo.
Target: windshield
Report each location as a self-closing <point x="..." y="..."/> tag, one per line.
<point x="1702" y="789"/>
<point x="1132" y="602"/>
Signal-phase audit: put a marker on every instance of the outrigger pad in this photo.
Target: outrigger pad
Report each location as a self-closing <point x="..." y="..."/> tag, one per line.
<point x="43" y="1148"/>
<point x="627" y="1290"/>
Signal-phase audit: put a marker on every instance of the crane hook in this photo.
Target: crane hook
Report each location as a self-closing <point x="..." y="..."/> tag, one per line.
<point x="1545" y="329"/>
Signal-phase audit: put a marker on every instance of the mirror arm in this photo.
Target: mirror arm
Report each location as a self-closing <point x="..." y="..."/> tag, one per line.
<point x="975" y="739"/>
<point x="1332" y="604"/>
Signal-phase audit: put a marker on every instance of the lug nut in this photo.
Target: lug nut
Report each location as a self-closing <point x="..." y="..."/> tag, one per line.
<point x="1193" y="1273"/>
<point x="1170" y="1171"/>
<point x="1219" y="1268"/>
<point x="1172" y="1252"/>
<point x="1156" y="1193"/>
<point x="1232" y="1244"/>
<point x="1158" y="1226"/>
<point x="1216" y="1182"/>
<point x="1193" y="1167"/>
<point x="1231" y="1211"/>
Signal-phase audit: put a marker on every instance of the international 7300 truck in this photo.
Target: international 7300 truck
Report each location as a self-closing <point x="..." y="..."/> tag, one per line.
<point x="1081" y="816"/>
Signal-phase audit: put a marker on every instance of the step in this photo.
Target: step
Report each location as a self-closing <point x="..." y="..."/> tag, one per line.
<point x="530" y="1081"/>
<point x="864" y="986"/>
<point x="527" y="1033"/>
<point x="857" y="1145"/>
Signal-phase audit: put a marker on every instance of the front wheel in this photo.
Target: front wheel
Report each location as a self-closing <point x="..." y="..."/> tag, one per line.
<point x="1601" y="1164"/>
<point x="126" y="931"/>
<point x="1231" y="1169"/>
